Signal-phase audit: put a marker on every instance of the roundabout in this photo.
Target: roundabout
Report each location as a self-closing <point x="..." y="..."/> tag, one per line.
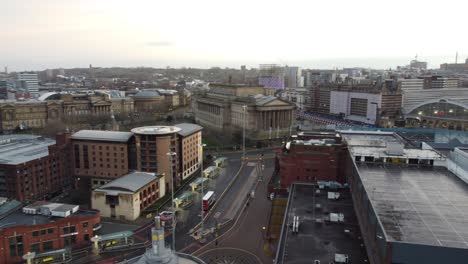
<point x="225" y="255"/>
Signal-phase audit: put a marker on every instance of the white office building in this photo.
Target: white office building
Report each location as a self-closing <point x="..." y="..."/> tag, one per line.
<point x="29" y="81"/>
<point x="411" y="84"/>
<point x="293" y="76"/>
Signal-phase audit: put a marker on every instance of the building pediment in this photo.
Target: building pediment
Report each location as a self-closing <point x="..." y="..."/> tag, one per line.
<point x="277" y="103"/>
<point x="54" y="103"/>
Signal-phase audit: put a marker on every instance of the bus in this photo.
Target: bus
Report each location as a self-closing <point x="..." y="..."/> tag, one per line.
<point x="208" y="200"/>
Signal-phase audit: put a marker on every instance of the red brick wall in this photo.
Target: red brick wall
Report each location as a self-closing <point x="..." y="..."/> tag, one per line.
<point x="39" y="178"/>
<point x="57" y="241"/>
<point x="308" y="163"/>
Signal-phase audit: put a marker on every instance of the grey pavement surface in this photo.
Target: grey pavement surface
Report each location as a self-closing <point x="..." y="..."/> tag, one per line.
<point x="245" y="239"/>
<point x="190" y="217"/>
<point x="112" y="227"/>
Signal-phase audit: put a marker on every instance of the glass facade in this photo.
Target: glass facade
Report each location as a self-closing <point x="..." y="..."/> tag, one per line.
<point x="441" y="110"/>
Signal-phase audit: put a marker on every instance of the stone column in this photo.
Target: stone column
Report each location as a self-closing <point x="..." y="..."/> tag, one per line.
<point x="273" y="117"/>
<point x="283" y="117"/>
<point x="257" y="117"/>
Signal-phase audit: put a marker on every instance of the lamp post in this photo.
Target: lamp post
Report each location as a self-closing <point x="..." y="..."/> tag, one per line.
<point x="202" y="180"/>
<point x="244" y="107"/>
<point x="171" y="157"/>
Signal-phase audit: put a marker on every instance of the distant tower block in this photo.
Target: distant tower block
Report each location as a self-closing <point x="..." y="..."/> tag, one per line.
<point x="6" y="69"/>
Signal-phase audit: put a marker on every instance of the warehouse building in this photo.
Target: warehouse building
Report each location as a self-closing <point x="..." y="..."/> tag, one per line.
<point x="410" y="208"/>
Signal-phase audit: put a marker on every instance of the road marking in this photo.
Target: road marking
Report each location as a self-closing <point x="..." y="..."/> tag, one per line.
<point x="231" y="248"/>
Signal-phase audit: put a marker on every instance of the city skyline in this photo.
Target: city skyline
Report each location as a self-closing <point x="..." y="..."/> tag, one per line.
<point x="53" y="34"/>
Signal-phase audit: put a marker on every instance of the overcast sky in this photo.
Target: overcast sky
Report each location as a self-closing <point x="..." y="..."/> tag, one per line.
<point x="39" y="34"/>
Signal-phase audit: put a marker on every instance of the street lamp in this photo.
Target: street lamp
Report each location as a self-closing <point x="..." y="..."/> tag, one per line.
<point x="243" y="132"/>
<point x="171" y="156"/>
<point x="202" y="180"/>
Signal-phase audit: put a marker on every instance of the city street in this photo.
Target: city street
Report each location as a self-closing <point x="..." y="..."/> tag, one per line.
<point x="225" y="211"/>
<point x="243" y="242"/>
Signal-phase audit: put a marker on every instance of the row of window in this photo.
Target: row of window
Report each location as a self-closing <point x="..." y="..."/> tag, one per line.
<point x="107" y="148"/>
<point x="42" y="232"/>
<point x="66" y="230"/>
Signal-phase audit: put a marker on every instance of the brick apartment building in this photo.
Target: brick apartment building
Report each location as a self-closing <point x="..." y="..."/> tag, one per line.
<point x="152" y="145"/>
<point x="41" y="227"/>
<point x="33" y="167"/>
<point x="190" y="154"/>
<point x="310" y="157"/>
<point x="101" y="156"/>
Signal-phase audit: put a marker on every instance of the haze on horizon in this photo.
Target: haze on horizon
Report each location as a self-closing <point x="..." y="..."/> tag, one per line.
<point x="316" y="34"/>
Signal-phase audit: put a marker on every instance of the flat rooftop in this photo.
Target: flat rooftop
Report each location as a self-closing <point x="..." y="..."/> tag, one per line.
<point x="370" y="138"/>
<point x="410" y="153"/>
<point x="100" y="135"/>
<point x="156" y="130"/>
<point x="17" y="149"/>
<point x="319" y="241"/>
<point x="17" y="218"/>
<point x="418" y="205"/>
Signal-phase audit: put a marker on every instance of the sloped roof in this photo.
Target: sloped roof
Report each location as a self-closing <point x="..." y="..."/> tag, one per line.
<point x="131" y="182"/>
<point x="187" y="129"/>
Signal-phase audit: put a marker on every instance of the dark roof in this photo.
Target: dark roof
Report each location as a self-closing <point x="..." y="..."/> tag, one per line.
<point x="418" y="205"/>
<point x="452" y="144"/>
<point x="318" y="241"/>
<point x="188" y="129"/>
<point x="15" y="217"/>
<point x="100" y="135"/>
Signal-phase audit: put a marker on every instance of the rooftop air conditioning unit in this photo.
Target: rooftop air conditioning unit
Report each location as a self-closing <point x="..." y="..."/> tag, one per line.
<point x="336" y="217"/>
<point x="333" y="195"/>
<point x="395" y="148"/>
<point x="341" y="258"/>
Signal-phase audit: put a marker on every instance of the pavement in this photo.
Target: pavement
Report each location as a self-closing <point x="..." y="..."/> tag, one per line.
<point x="227" y="210"/>
<point x="243" y="242"/>
<point x="188" y="218"/>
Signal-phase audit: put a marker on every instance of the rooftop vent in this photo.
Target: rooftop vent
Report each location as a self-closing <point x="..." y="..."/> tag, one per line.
<point x="394" y="148"/>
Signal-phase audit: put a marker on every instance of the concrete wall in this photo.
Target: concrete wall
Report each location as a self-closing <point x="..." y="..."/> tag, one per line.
<point x="129" y="205"/>
<point x="408" y="253"/>
<point x="340" y="102"/>
<point x="458" y="164"/>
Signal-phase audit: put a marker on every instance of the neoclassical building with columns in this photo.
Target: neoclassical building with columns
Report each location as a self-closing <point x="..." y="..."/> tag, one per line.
<point x="225" y="106"/>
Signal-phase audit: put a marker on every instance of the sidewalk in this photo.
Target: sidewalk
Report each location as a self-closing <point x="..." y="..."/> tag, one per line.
<point x="248" y="232"/>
